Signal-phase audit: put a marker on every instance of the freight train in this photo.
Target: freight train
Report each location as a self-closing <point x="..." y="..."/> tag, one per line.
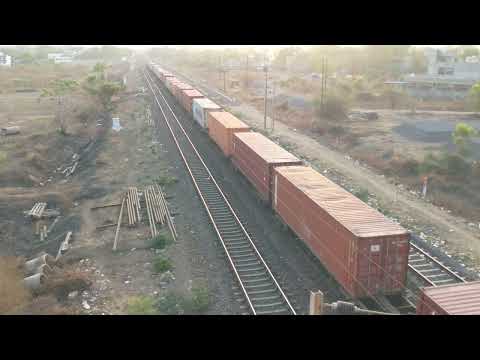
<point x="364" y="251"/>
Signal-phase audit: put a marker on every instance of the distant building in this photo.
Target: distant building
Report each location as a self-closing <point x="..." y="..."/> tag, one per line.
<point x="448" y="77"/>
<point x="60" y="58"/>
<point x="5" y="60"/>
<point x="448" y="66"/>
<point x="63" y="59"/>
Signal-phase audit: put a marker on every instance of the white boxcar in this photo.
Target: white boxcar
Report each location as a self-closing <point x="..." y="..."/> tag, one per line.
<point x="200" y="109"/>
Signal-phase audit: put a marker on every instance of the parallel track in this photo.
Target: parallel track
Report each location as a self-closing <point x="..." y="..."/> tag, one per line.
<point x="430" y="269"/>
<point x="260" y="288"/>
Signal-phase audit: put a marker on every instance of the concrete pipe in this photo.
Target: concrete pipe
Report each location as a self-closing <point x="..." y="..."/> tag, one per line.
<point x="34" y="282"/>
<point x="44" y="269"/>
<point x="11" y="130"/>
<point x="33" y="264"/>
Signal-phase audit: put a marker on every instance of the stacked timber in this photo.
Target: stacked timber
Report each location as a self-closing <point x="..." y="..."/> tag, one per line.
<point x="37" y="210"/>
<point x="157" y="210"/>
<point x="133" y="206"/>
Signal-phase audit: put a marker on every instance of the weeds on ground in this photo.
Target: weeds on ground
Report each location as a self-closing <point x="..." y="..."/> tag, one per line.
<point x="161" y="241"/>
<point x="174" y="303"/>
<point x="362" y="194"/>
<point x="166" y="180"/>
<point x="141" y="305"/>
<point x="162" y="264"/>
<point x="199" y="301"/>
<point x="238" y="114"/>
<point x="171" y="304"/>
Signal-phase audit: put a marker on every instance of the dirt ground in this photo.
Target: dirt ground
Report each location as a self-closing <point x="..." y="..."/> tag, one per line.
<point x="457" y="236"/>
<point x="137" y="155"/>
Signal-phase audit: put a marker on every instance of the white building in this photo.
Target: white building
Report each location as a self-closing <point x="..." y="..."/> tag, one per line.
<point x="446" y="66"/>
<point x="5" y="60"/>
<point x="60" y="58"/>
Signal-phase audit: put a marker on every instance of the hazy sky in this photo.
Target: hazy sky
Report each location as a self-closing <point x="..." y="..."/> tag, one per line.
<point x="144" y="47"/>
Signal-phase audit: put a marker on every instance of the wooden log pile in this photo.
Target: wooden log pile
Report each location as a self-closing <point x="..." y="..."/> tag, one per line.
<point x="37" y="210"/>
<point x="149" y="117"/>
<point x="157" y="210"/>
<point x="133" y="206"/>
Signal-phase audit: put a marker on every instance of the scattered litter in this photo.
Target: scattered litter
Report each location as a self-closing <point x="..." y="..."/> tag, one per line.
<point x="85" y="305"/>
<point x="73" y="294"/>
<point x="116" y="124"/>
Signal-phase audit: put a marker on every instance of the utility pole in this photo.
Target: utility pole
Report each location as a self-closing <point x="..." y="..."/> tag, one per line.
<point x="224" y="80"/>
<point x="247" y="71"/>
<point x="273" y="106"/>
<point x="265" y="69"/>
<point x="324" y="85"/>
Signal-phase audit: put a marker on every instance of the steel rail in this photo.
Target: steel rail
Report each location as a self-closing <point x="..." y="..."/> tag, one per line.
<point x="228" y="206"/>
<point x="435" y="265"/>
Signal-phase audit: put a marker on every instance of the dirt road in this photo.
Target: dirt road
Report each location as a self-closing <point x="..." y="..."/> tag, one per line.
<point x="408" y="207"/>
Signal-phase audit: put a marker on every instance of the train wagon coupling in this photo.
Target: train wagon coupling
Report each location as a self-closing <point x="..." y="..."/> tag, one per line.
<point x="319" y="307"/>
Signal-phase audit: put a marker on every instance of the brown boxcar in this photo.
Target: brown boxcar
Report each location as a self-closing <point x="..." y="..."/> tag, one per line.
<point x="178" y="89"/>
<point x="256" y="156"/>
<point x="187" y="98"/>
<point x="221" y="127"/>
<point x="365" y="252"/>
<point x="164" y="76"/>
<point x="457" y="299"/>
<point x="170" y="82"/>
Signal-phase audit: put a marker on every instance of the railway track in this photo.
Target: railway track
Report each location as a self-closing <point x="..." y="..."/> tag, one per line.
<point x="429" y="269"/>
<point x="260" y="288"/>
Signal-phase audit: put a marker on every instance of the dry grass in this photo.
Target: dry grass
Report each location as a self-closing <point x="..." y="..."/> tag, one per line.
<point x="13" y="294"/>
<point x="47" y="305"/>
<point x="63" y="282"/>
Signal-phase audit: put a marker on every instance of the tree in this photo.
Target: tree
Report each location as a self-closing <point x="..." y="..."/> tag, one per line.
<point x="462" y="137"/>
<point x="469" y="50"/>
<point x="58" y="90"/>
<point x="418" y="61"/>
<point x="100" y="88"/>
<point x="394" y="96"/>
<point x="475" y="96"/>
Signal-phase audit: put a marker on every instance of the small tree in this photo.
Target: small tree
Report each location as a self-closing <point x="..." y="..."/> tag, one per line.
<point x="58" y="90"/>
<point x="475" y="96"/>
<point x="395" y="97"/>
<point x="462" y="137"/>
<point x="96" y="85"/>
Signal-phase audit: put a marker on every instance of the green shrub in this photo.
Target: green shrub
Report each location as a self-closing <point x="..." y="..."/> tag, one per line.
<point x="171" y="304"/>
<point x="447" y="164"/>
<point x="141" y="305"/>
<point x="161" y="241"/>
<point x="362" y="194"/>
<point x="200" y="300"/>
<point x="166" y="180"/>
<point x="161" y="264"/>
<point x="335" y="107"/>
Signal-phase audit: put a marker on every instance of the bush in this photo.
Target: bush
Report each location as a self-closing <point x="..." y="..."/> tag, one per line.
<point x="142" y="305"/>
<point x="337" y="130"/>
<point x="174" y="303"/>
<point x="456" y="165"/>
<point x="335" y="107"/>
<point x="161" y="264"/>
<point x="166" y="180"/>
<point x="200" y="300"/>
<point x="447" y="164"/>
<point x="171" y="304"/>
<point x="161" y="241"/>
<point x="362" y="194"/>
